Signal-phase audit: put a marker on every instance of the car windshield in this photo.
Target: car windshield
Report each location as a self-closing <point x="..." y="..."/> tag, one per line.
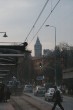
<point x="10" y="83"/>
<point x="41" y="88"/>
<point x="28" y="86"/>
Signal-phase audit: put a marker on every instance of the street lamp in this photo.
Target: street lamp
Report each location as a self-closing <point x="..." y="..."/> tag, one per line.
<point x="4" y="34"/>
<point x="55" y="51"/>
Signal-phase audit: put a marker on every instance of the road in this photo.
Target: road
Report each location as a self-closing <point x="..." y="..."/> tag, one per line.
<point x="67" y="102"/>
<point x="31" y="102"/>
<point x="20" y="103"/>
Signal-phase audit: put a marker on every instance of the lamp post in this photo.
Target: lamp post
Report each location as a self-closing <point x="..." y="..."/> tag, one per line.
<point x="55" y="33"/>
<point x="55" y="51"/>
<point x="4" y="34"/>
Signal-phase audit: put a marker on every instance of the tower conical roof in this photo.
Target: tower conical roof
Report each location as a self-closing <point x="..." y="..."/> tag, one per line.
<point x="37" y="42"/>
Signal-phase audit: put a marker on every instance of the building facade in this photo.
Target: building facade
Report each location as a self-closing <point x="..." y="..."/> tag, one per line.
<point x="15" y="61"/>
<point x="43" y="72"/>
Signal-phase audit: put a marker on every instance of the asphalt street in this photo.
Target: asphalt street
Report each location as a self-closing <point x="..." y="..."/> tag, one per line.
<point x="28" y="102"/>
<point x="67" y="102"/>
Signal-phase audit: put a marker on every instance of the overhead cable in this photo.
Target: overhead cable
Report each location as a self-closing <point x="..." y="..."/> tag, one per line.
<point x="37" y="19"/>
<point x="45" y="20"/>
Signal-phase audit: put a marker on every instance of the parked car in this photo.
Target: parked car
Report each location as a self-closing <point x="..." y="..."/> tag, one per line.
<point x="10" y="84"/>
<point x="39" y="91"/>
<point x="28" y="88"/>
<point x="49" y="94"/>
<point x="48" y="85"/>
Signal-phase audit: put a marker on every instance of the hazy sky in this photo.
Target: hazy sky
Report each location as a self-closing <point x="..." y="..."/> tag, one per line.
<point x="18" y="16"/>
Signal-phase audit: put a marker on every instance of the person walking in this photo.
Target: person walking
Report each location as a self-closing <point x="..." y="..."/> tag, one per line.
<point x="2" y="92"/>
<point x="57" y="98"/>
<point x="7" y="93"/>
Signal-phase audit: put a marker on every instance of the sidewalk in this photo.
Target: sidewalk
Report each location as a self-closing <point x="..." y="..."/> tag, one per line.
<point x="6" y="106"/>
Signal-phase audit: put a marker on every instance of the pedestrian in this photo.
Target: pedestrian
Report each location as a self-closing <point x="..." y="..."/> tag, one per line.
<point x="2" y="92"/>
<point x="57" y="98"/>
<point x="7" y="93"/>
